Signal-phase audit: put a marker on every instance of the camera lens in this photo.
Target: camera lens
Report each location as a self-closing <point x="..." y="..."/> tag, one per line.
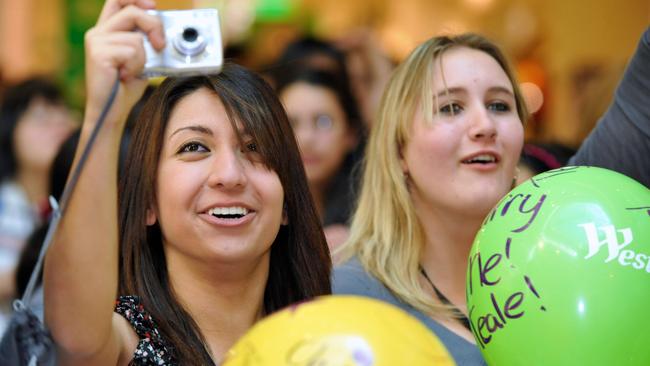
<point x="190" y="34"/>
<point x="189" y="42"/>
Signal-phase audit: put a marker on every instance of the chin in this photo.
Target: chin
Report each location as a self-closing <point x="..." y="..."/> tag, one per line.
<point x="483" y="202"/>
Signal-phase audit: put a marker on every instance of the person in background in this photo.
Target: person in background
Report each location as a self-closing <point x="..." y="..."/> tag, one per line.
<point x="310" y="53"/>
<point x="369" y="68"/>
<point x="442" y="153"/>
<point x="58" y="177"/>
<point x="328" y="127"/>
<point x="356" y="59"/>
<point x="212" y="227"/>
<point x="621" y="139"/>
<point x="34" y="122"/>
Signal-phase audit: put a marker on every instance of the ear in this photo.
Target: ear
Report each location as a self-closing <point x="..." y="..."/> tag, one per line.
<point x="402" y="162"/>
<point x="151" y="217"/>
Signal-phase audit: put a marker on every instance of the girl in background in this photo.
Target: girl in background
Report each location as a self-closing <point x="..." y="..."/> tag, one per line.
<point x="328" y="129"/>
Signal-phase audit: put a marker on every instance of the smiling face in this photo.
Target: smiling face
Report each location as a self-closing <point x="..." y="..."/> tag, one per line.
<point x="463" y="161"/>
<point x="216" y="200"/>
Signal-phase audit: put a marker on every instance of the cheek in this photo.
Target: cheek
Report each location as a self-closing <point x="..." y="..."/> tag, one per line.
<point x="177" y="184"/>
<point x="335" y="146"/>
<point x="31" y="145"/>
<point x="435" y="146"/>
<point x="269" y="187"/>
<point x="514" y="140"/>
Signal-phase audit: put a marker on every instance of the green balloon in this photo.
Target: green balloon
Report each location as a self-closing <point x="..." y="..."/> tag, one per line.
<point x="559" y="273"/>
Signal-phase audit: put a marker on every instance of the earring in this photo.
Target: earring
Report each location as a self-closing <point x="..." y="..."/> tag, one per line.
<point x="514" y="179"/>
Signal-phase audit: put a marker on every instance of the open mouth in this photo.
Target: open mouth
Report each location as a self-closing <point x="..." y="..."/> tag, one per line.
<point x="228" y="213"/>
<point x="481" y="159"/>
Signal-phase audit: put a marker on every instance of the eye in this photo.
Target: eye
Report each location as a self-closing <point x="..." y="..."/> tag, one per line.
<point x="451" y="108"/>
<point x="251" y="151"/>
<point x="193" y="147"/>
<point x="251" y="146"/>
<point x="323" y="122"/>
<point x="499" y="107"/>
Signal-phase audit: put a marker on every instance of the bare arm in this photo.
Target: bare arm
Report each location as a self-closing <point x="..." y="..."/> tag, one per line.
<point x="80" y="277"/>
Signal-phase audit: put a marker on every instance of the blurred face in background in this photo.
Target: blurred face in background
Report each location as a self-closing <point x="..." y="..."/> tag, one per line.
<point x="321" y="128"/>
<point x="39" y="133"/>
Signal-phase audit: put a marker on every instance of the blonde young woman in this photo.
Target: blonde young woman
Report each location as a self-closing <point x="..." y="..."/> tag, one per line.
<point x="443" y="151"/>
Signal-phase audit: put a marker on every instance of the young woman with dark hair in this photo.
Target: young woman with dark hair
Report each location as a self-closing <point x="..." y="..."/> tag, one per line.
<point x="329" y="130"/>
<point x="212" y="227"/>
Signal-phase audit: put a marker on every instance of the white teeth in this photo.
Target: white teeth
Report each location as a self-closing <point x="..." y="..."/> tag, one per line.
<point x="484" y="158"/>
<point x="228" y="211"/>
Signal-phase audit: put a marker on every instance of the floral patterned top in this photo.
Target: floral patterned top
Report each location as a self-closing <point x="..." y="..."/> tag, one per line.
<point x="152" y="348"/>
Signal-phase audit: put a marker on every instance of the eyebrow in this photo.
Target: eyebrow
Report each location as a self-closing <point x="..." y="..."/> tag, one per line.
<point x="197" y="128"/>
<point x="460" y="90"/>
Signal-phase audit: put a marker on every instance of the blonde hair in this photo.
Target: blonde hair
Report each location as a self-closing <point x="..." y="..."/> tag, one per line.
<point x="385" y="234"/>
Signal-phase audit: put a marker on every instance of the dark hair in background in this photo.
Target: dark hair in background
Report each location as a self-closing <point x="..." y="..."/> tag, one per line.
<point x="300" y="263"/>
<point x="332" y="82"/>
<point x="543" y="157"/>
<point x="340" y="195"/>
<point x="312" y="53"/>
<point x="16" y="100"/>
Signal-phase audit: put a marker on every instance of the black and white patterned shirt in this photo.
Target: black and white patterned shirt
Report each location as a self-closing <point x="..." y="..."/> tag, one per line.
<point x="152" y="348"/>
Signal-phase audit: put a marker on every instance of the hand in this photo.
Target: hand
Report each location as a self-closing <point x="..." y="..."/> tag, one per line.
<point x="114" y="47"/>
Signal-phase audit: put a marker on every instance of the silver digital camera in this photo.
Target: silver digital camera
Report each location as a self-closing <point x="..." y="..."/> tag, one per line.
<point x="193" y="44"/>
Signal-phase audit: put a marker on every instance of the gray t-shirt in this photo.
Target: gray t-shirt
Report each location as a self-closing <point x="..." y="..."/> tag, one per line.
<point x="351" y="279"/>
<point x="621" y="140"/>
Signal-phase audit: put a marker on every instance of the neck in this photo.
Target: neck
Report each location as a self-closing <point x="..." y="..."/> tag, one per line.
<point x="448" y="240"/>
<point x="34" y="183"/>
<point x="224" y="300"/>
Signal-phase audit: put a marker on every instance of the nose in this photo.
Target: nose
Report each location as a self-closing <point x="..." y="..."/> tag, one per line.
<point x="304" y="132"/>
<point x="228" y="170"/>
<point x="483" y="126"/>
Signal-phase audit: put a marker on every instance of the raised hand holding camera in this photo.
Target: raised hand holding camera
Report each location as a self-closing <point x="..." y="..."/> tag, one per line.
<point x="193" y="44"/>
<point x="114" y="49"/>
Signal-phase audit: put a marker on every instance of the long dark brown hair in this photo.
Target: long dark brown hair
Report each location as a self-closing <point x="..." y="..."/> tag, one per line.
<point x="300" y="262"/>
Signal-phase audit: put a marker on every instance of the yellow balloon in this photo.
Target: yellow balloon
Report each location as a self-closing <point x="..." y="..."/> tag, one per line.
<point x="339" y="331"/>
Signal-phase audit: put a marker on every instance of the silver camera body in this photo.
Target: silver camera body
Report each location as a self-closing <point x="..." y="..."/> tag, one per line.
<point x="193" y="44"/>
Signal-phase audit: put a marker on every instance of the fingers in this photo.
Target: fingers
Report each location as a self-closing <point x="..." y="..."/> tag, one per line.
<point x="122" y="51"/>
<point x="132" y="17"/>
<point x="111" y="7"/>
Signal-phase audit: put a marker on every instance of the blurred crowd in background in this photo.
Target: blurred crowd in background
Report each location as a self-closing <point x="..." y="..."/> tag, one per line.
<point x="329" y="62"/>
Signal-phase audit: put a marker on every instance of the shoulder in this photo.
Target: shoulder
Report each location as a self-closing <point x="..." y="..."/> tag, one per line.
<point x="152" y="348"/>
<point x="350" y="278"/>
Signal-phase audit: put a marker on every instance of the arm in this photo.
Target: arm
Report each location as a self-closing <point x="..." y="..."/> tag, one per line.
<point x="621" y="140"/>
<point x="80" y="278"/>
